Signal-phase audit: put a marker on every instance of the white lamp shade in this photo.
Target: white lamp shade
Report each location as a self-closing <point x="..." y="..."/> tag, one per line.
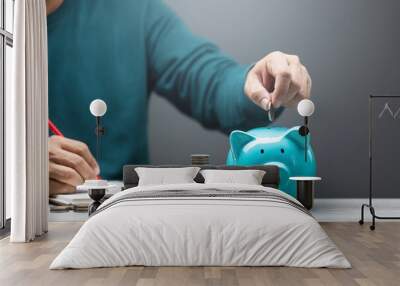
<point x="306" y="107"/>
<point x="98" y="107"/>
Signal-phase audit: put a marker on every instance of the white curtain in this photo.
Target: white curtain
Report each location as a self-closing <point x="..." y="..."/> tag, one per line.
<point x="26" y="123"/>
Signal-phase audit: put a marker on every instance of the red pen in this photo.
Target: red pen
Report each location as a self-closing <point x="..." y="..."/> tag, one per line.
<point x="53" y="128"/>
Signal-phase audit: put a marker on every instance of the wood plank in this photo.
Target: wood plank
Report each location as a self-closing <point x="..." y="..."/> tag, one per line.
<point x="375" y="257"/>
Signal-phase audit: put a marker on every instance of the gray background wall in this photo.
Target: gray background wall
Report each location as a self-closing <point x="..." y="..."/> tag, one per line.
<point x="351" y="48"/>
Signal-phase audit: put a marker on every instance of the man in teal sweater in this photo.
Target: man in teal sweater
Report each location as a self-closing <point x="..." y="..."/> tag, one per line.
<point x="121" y="51"/>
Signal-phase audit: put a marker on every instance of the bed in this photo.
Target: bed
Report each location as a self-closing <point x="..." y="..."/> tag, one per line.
<point x="199" y="224"/>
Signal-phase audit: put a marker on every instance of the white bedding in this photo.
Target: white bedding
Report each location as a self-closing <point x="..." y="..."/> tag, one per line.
<point x="191" y="231"/>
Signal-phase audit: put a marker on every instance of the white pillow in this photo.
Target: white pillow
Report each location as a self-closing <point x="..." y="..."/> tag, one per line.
<point x="247" y="177"/>
<point x="166" y="176"/>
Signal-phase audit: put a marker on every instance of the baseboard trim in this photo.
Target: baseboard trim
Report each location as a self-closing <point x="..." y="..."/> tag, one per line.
<point x="345" y="202"/>
<point x="349" y="210"/>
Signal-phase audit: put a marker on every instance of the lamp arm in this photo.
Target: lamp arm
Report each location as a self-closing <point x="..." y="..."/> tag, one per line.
<point x="99" y="132"/>
<point x="305" y="138"/>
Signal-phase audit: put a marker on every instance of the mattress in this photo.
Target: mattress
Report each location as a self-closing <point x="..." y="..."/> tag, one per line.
<point x="201" y="225"/>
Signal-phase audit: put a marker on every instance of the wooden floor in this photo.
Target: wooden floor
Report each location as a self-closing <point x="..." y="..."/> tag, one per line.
<point x="375" y="257"/>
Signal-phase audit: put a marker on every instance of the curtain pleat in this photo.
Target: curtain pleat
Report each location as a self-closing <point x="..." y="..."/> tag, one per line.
<point x="26" y="141"/>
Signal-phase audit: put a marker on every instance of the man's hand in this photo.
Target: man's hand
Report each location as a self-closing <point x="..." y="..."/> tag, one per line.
<point x="279" y="78"/>
<point x="70" y="164"/>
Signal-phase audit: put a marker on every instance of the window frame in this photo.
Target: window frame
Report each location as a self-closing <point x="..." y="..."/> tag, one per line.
<point x="6" y="39"/>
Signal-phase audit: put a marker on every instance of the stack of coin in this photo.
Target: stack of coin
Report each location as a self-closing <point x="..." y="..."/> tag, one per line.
<point x="200" y="159"/>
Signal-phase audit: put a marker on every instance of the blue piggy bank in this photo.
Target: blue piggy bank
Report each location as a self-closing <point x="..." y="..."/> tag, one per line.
<point x="278" y="146"/>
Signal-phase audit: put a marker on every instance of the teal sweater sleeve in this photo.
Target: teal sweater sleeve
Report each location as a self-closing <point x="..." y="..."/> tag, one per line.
<point x="195" y="76"/>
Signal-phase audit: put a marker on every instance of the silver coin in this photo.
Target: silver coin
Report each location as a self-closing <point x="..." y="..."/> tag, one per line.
<point x="271" y="112"/>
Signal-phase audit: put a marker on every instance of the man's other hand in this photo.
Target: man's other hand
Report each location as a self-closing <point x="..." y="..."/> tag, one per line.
<point x="70" y="164"/>
<point x="278" y="78"/>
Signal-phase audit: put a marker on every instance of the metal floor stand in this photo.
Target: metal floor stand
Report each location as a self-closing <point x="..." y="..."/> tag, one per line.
<point x="374" y="216"/>
<point x="370" y="203"/>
